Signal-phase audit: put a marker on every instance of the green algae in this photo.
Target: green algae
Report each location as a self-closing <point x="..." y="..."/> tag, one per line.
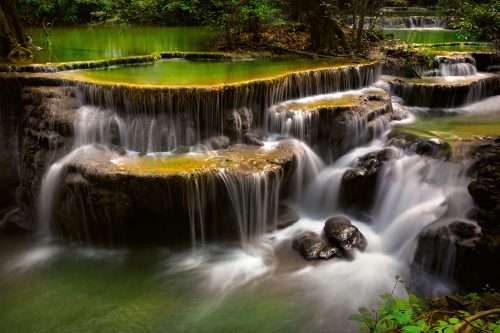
<point x="243" y="159"/>
<point x="344" y="101"/>
<point x="182" y="72"/>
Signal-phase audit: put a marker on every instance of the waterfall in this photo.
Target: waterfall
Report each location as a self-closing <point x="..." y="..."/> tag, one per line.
<point x="206" y="106"/>
<point x="255" y="202"/>
<point x="413" y="22"/>
<point x="457" y="66"/>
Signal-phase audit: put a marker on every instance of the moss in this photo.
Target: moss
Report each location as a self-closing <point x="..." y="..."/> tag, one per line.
<point x="344" y="101"/>
<point x="244" y="159"/>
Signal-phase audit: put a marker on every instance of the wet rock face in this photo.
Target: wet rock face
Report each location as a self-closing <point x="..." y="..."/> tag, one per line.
<point x="107" y="198"/>
<point x="485" y="190"/>
<point x="359" y="184"/>
<point x="333" y="124"/>
<point x="312" y="247"/>
<point x="422" y="146"/>
<point x="340" y="232"/>
<point x="286" y="217"/>
<point x="451" y="250"/>
<point x="442" y="93"/>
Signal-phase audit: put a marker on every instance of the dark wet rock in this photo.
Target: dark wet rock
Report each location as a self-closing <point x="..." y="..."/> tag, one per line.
<point x="238" y="123"/>
<point x="485" y="190"/>
<point x="462" y="229"/>
<point x="444" y="94"/>
<point x="333" y="126"/>
<point x="419" y="145"/>
<point x="286" y="216"/>
<point x="359" y="184"/>
<point x="340" y="232"/>
<point x="485" y="60"/>
<point x="219" y="142"/>
<point x="252" y="139"/>
<point x="450" y="251"/>
<point x="181" y="150"/>
<point x="16" y="221"/>
<point x="329" y="252"/>
<point x="312" y="247"/>
<point x="137" y="199"/>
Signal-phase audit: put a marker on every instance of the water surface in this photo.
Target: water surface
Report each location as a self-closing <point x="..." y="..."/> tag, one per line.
<point x="93" y="43"/>
<point x="426" y="36"/>
<point x="181" y="72"/>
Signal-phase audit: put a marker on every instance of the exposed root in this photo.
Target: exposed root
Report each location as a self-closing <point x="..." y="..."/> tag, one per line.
<point x="467" y="326"/>
<point x="20" y="51"/>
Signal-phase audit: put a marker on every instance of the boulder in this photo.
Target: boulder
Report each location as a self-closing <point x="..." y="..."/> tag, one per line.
<point x="312" y="247"/>
<point x="358" y="186"/>
<point x="340" y="232"/>
<point x="450" y="251"/>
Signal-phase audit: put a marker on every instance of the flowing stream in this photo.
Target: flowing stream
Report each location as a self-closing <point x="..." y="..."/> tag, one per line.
<point x="258" y="284"/>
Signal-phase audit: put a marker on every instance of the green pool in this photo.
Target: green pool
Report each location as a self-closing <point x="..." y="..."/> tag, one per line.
<point x="48" y="288"/>
<point x="181" y="72"/>
<point x="92" y="43"/>
<point x="426" y="36"/>
<point x="478" y="119"/>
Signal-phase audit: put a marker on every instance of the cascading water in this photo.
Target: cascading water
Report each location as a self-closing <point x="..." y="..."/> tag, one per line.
<point x="412" y="193"/>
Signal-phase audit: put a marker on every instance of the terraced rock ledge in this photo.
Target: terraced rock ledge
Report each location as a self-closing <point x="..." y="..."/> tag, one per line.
<point x="443" y="92"/>
<point x="335" y="123"/>
<point x="111" y="197"/>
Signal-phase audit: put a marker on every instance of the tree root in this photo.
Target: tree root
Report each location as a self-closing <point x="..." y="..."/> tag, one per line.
<point x="20" y="51"/>
<point x="467" y="326"/>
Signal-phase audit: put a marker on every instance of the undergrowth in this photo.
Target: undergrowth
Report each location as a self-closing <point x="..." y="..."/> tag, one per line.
<point x="470" y="313"/>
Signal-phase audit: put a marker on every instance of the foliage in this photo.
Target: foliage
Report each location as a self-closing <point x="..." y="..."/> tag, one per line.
<point x="416" y="315"/>
<point x="478" y="21"/>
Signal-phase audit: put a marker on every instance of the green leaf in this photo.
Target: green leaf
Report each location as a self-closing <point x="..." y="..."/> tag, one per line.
<point x="411" y="329"/>
<point x="454" y="321"/>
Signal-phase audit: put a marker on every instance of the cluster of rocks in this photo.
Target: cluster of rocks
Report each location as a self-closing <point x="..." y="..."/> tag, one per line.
<point x="339" y="240"/>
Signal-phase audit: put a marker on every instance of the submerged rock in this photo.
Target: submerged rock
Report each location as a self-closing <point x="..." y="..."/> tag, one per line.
<point x="312" y="247"/>
<point x="340" y="232"/>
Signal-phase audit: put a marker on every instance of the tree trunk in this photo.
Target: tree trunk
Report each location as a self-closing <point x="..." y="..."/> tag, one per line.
<point x="361" y="24"/>
<point x="11" y="29"/>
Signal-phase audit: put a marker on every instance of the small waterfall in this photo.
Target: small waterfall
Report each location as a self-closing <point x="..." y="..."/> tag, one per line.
<point x="457" y="66"/>
<point x="255" y="202"/>
<point x="423" y="22"/>
<point x="139" y="133"/>
<point x="332" y="123"/>
<point x="412" y="22"/>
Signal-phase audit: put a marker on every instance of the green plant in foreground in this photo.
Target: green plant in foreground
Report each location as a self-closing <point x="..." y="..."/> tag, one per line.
<point x="411" y="315"/>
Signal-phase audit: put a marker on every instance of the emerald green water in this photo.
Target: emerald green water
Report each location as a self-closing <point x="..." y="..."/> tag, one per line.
<point x="92" y="43"/>
<point x="463" y="124"/>
<point x="426" y="36"/>
<point x="58" y="288"/>
<point x="181" y="72"/>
